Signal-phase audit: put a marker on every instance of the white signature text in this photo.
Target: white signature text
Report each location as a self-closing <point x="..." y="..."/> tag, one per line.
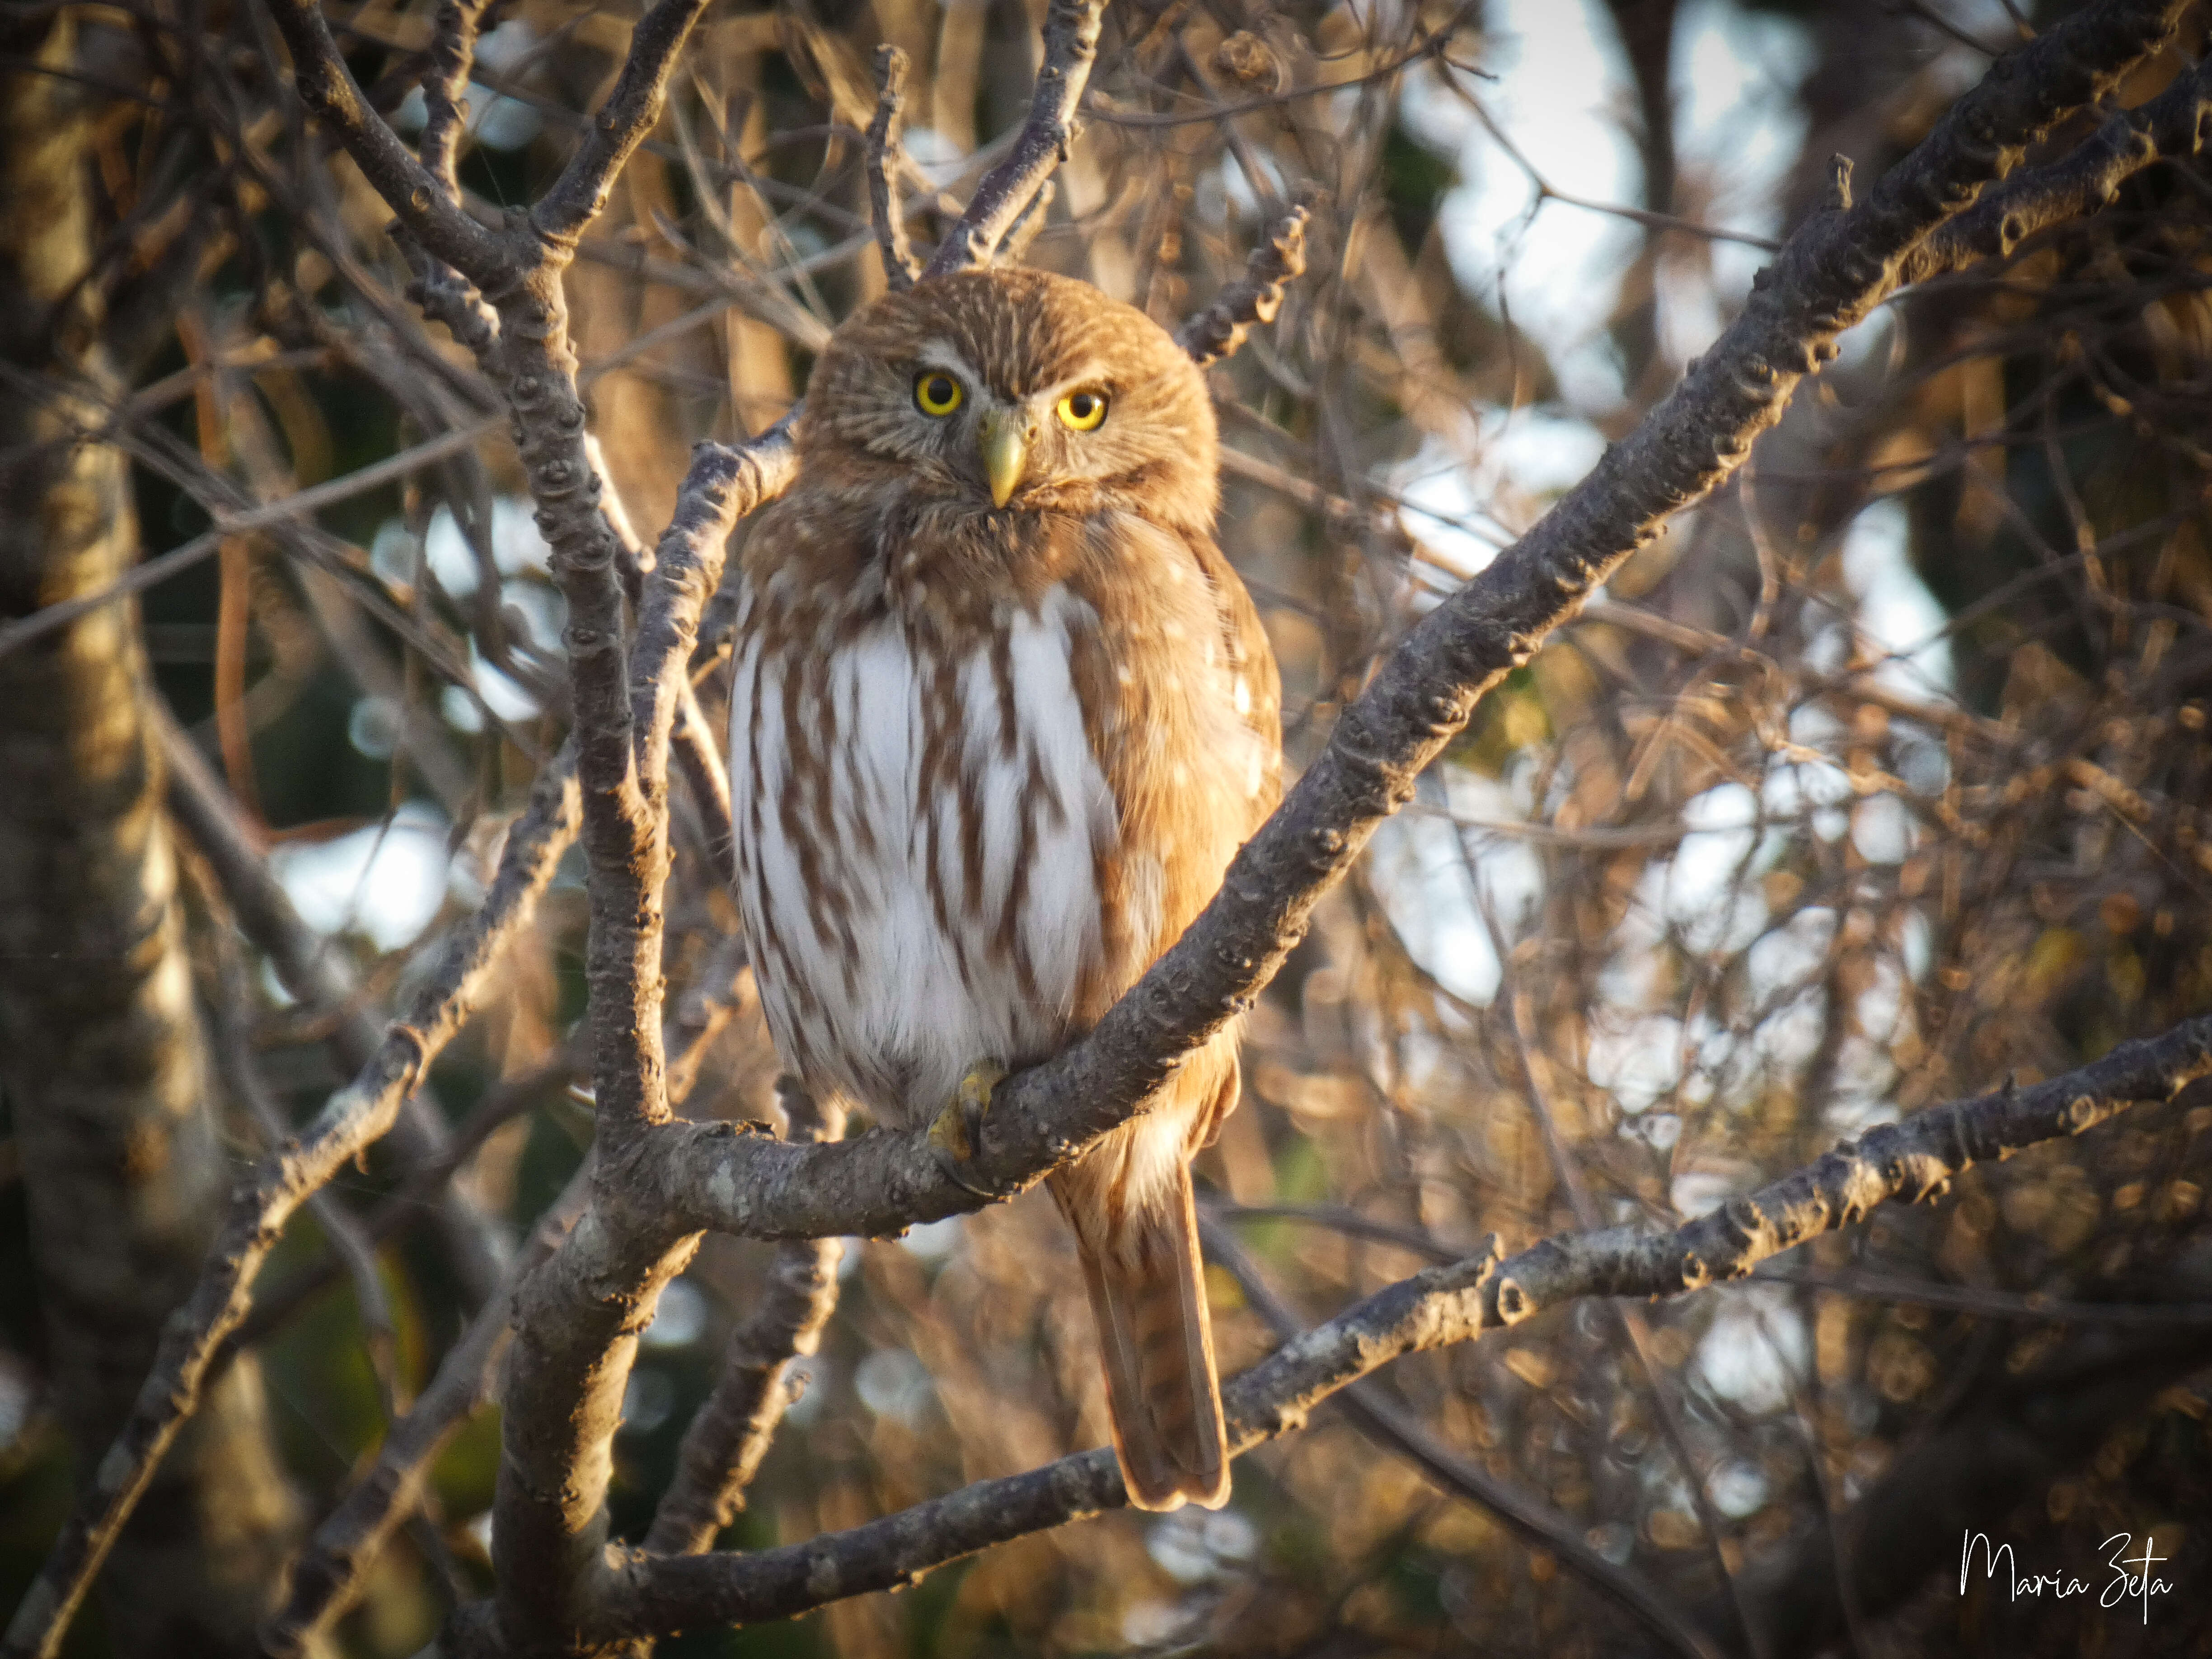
<point x="2131" y="1576"/>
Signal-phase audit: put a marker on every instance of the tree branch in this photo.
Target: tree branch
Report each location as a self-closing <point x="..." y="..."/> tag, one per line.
<point x="1913" y="1160"/>
<point x="723" y="1448"/>
<point x="1835" y="268"/>
<point x="1256" y="297"/>
<point x="619" y="126"/>
<point x="885" y="164"/>
<point x="1536" y="1523"/>
<point x="1070" y="45"/>
<point x="316" y="973"/>
<point x="355" y="1117"/>
<point x="328" y="1575"/>
<point x="2176" y="123"/>
<point x="578" y="1318"/>
<point x="412" y="190"/>
<point x="445" y="107"/>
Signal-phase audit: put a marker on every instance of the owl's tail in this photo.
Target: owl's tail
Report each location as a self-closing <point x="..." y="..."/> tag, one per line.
<point x="1143" y="1270"/>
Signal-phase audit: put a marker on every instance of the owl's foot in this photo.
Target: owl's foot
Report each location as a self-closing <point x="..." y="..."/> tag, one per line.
<point x="959" y="1127"/>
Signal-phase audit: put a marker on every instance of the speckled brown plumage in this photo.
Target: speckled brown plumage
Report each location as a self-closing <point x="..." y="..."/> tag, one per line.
<point x="988" y="761"/>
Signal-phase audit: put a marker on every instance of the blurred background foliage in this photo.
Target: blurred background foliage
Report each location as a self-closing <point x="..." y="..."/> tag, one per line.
<point x="1880" y="779"/>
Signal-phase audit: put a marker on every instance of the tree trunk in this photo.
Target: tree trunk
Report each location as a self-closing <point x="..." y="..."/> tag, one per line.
<point x="100" y="1048"/>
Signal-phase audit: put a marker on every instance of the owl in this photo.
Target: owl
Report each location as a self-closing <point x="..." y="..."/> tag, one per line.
<point x="1001" y="715"/>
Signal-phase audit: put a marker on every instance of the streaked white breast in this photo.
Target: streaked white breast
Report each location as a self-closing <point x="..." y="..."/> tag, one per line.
<point x="917" y="973"/>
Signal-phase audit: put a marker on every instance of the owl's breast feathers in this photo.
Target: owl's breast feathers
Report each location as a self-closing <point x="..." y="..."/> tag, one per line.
<point x="985" y="768"/>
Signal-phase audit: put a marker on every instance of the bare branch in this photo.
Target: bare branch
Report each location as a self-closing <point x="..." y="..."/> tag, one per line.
<point x="320" y="975"/>
<point x="1070" y="45"/>
<point x="2176" y="123"/>
<point x="1537" y="1523"/>
<point x="619" y="126"/>
<point x="1913" y="1160"/>
<point x="299" y="505"/>
<point x="432" y="217"/>
<point x="1025" y="228"/>
<point x="328" y="1575"/>
<point x="1832" y="271"/>
<point x="886" y="162"/>
<point x="355" y="1116"/>
<point x="1256" y="297"/>
<point x="233" y="1049"/>
<point x="723" y="1448"/>
<point x="578" y="1318"/>
<point x="698" y="752"/>
<point x="453" y="53"/>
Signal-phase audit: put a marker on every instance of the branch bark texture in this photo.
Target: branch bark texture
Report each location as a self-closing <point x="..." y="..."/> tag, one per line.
<point x="1912" y="1160"/>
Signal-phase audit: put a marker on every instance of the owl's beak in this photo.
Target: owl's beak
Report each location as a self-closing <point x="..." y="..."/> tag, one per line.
<point x="1005" y="437"/>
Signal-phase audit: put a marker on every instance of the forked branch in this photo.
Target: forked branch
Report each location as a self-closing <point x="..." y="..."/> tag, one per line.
<point x="1911" y="1161"/>
<point x="1071" y="45"/>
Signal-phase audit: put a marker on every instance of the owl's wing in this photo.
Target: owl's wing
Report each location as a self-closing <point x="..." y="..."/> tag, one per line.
<point x="1253" y="662"/>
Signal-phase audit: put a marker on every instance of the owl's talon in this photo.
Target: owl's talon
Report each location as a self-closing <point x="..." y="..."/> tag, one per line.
<point x="959" y="1127"/>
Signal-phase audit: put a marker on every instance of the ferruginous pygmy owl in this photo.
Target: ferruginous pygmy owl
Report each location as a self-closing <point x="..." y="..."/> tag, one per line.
<point x="1001" y="713"/>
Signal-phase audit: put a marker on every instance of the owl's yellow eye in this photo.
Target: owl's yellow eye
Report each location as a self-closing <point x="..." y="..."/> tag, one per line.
<point x="1082" y="411"/>
<point x="936" y="394"/>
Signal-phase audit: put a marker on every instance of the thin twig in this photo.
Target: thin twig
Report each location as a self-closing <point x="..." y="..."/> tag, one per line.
<point x="886" y="163"/>
<point x="231" y="1046"/>
<point x="1629" y="1324"/>
<point x="302" y="504"/>
<point x="1535" y="1521"/>
<point x="320" y="976"/>
<point x="404" y="1206"/>
<point x="1255" y="297"/>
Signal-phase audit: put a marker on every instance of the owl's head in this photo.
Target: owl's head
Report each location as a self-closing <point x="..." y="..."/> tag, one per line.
<point x="1019" y="390"/>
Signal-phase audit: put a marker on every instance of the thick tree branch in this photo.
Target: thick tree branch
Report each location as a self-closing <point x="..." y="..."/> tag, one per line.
<point x="2176" y="123"/>
<point x="1829" y="275"/>
<point x="116" y="1145"/>
<point x="1913" y="1160"/>
<point x="355" y="1117"/>
<point x="578" y="1319"/>
<point x="1070" y="45"/>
